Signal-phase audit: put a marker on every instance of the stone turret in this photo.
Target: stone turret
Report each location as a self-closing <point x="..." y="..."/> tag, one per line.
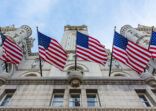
<point x="139" y="37"/>
<point x="142" y="38"/>
<point x="22" y="37"/>
<point x="68" y="40"/>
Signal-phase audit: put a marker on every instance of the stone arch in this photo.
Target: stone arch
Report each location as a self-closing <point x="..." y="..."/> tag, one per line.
<point x="80" y="67"/>
<point x="120" y="74"/>
<point x="31" y="74"/>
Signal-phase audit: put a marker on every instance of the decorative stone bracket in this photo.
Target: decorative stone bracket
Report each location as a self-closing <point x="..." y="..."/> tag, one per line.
<point x="149" y="79"/>
<point x="75" y="78"/>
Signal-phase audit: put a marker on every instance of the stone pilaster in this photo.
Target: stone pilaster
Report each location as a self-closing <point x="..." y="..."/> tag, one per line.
<point x="66" y="98"/>
<point x="83" y="98"/>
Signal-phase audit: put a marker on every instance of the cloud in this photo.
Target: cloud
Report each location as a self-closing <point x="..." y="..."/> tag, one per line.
<point x="136" y="12"/>
<point x="99" y="15"/>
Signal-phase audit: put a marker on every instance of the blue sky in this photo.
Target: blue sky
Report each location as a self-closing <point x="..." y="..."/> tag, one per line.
<point x="99" y="15"/>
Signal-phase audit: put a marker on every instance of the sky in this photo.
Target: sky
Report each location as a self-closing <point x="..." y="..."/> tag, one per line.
<point x="99" y="15"/>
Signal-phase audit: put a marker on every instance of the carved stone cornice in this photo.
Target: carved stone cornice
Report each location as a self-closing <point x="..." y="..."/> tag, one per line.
<point x="77" y="109"/>
<point x="91" y="81"/>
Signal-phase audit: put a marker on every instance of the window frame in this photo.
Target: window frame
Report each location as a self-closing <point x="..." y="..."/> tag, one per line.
<point x="53" y="99"/>
<point x="97" y="101"/>
<point x="143" y="92"/>
<point x="5" y="94"/>
<point x="73" y="101"/>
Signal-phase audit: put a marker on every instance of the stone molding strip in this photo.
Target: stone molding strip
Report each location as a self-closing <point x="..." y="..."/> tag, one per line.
<point x="66" y="82"/>
<point x="78" y="109"/>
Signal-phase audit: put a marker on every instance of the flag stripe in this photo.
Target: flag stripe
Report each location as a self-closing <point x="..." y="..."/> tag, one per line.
<point x="47" y="57"/>
<point x="51" y="51"/>
<point x="54" y="52"/>
<point x="91" y="55"/>
<point x="90" y="49"/>
<point x="14" y="59"/>
<point x="95" y="40"/>
<point x="52" y="47"/>
<point x="121" y="53"/>
<point x="98" y="50"/>
<point x="142" y="51"/>
<point x="13" y="49"/>
<point x="90" y="58"/>
<point x="95" y="54"/>
<point x="8" y="40"/>
<point x="51" y="56"/>
<point x="12" y="53"/>
<point x="130" y="54"/>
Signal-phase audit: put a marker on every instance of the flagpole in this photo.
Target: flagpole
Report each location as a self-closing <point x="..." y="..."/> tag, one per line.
<point x="75" y="52"/>
<point x="6" y="65"/>
<point x="110" y="68"/>
<point x="40" y="59"/>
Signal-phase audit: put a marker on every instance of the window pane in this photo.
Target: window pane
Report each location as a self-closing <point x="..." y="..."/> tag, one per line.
<point x="144" y="100"/>
<point x="6" y="100"/>
<point x="57" y="101"/>
<point x="91" y="100"/>
<point x="75" y="97"/>
<point x="58" y="97"/>
<point x="74" y="100"/>
<point x="91" y="97"/>
<point x="91" y="104"/>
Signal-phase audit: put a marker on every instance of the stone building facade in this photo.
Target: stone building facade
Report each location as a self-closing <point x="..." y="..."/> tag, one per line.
<point x="88" y="88"/>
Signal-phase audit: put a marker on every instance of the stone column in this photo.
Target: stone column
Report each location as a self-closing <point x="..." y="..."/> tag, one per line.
<point x="83" y="98"/>
<point x="101" y="97"/>
<point x="66" y="98"/>
<point x="151" y="96"/>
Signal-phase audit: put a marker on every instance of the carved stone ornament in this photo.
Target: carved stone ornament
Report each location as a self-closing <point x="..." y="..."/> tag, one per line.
<point x="75" y="78"/>
<point x="149" y="79"/>
<point x="75" y="83"/>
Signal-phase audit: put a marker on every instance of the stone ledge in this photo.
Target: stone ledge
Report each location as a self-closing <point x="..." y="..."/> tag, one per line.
<point x="84" y="81"/>
<point x="77" y="109"/>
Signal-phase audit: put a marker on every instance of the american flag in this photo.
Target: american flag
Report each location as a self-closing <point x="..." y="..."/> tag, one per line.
<point x="90" y="49"/>
<point x="152" y="47"/>
<point x="12" y="53"/>
<point x="51" y="51"/>
<point x="129" y="53"/>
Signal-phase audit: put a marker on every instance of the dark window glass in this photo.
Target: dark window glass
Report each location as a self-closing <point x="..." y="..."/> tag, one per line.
<point x="6" y="99"/>
<point x="92" y="100"/>
<point x="144" y="100"/>
<point x="74" y="100"/>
